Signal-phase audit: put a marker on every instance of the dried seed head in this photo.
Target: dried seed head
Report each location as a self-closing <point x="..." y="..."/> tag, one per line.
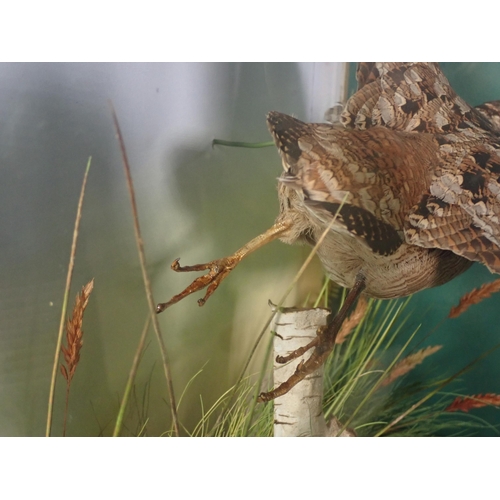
<point x="477" y="401"/>
<point x="474" y="297"/>
<point x="74" y="333"/>
<point x="353" y="320"/>
<point x="407" y="364"/>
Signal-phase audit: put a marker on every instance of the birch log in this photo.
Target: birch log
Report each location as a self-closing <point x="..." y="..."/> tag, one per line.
<point x="300" y="411"/>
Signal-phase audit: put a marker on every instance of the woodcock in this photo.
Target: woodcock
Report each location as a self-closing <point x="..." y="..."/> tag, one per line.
<point x="406" y="188"/>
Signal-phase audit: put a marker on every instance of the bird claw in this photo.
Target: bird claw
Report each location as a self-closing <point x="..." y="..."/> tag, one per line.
<point x="220" y="268"/>
<point x="217" y="271"/>
<point x="323" y="347"/>
<point x="323" y="344"/>
<point x="301" y="350"/>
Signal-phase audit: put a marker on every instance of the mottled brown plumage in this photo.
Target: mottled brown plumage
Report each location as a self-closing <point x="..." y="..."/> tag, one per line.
<point x="407" y="183"/>
<point x="417" y="169"/>
<point x="369" y="180"/>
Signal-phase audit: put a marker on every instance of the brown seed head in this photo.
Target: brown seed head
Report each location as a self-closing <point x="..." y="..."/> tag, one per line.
<point x="74" y="333"/>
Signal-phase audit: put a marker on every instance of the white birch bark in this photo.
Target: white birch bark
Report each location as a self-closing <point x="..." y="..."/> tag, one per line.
<point x="300" y="411"/>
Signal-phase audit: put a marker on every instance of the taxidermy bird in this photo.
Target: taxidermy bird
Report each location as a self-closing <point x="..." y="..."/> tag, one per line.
<point x="404" y="191"/>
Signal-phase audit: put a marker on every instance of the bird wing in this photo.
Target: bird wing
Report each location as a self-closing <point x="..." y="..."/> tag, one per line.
<point x="460" y="211"/>
<point x="411" y="97"/>
<point x="457" y="207"/>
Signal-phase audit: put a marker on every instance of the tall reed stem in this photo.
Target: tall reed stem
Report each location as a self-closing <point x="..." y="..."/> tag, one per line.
<point x="64" y="307"/>
<point x="147" y="283"/>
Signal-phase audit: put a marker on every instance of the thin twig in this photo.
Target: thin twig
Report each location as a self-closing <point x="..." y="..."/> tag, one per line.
<point x="64" y="307"/>
<point x="131" y="378"/>
<point x="147" y="283"/>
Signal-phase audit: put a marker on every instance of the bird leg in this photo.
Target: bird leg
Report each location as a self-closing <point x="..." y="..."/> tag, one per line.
<point x="220" y="268"/>
<point x="323" y="344"/>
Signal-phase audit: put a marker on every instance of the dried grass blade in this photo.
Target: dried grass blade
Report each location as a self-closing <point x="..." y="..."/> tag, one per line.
<point x="64" y="307"/>
<point x="407" y="364"/>
<point x="145" y="276"/>
<point x="353" y="320"/>
<point x="131" y="378"/>
<point x="476" y="401"/>
<point x="474" y="297"/>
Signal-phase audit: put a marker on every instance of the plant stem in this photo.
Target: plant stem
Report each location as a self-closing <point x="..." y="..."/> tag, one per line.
<point x="68" y="383"/>
<point x="147" y="283"/>
<point x="131" y="378"/>
<point x="236" y="144"/>
<point x="64" y="307"/>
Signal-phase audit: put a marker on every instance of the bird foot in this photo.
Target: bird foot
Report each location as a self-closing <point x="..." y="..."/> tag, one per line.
<point x="301" y="350"/>
<point x="323" y="344"/>
<point x="217" y="271"/>
<point x="220" y="268"/>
